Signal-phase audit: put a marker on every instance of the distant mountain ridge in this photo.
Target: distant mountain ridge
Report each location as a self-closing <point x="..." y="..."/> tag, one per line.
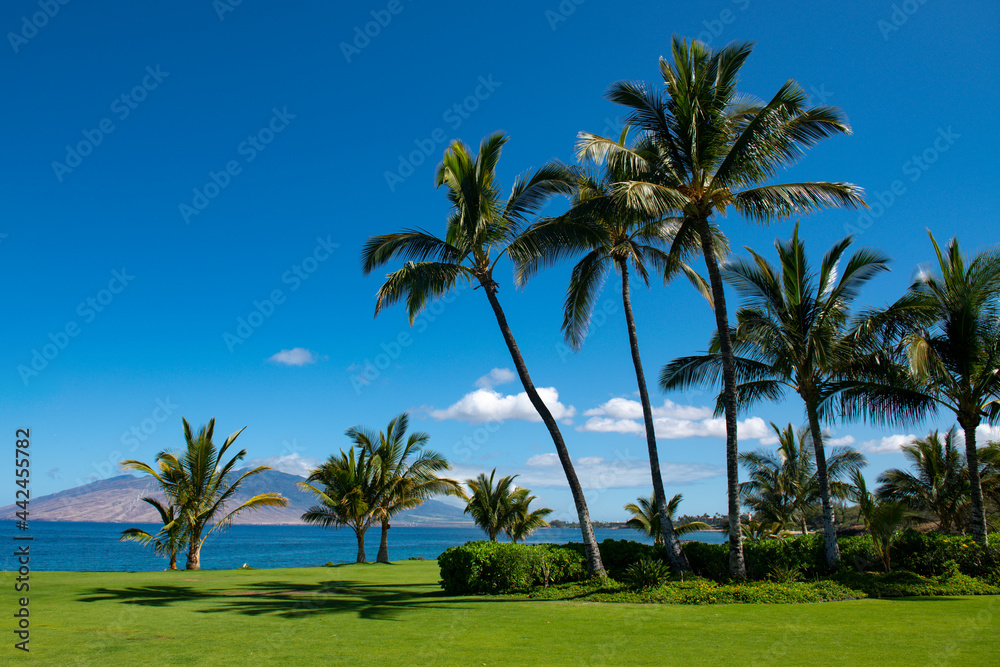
<point x="119" y="500"/>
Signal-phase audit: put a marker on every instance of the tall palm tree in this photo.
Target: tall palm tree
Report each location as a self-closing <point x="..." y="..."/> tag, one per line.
<point x="792" y="333"/>
<point x="950" y="326"/>
<point x="711" y="148"/>
<point x="524" y="520"/>
<point x="492" y="505"/>
<point x="783" y="485"/>
<point x="347" y="497"/>
<point x="939" y="483"/>
<point x="168" y="541"/>
<point x="646" y="517"/>
<point x="614" y="236"/>
<point x="405" y="473"/>
<point x="201" y="484"/>
<point x="481" y="229"/>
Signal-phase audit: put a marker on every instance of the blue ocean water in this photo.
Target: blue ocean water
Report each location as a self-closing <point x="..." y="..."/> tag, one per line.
<point x="82" y="547"/>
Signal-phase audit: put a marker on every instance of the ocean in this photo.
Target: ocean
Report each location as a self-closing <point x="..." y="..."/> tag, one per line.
<point x="86" y="547"/>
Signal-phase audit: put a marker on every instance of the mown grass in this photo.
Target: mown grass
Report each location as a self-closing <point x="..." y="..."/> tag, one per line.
<point x="397" y="614"/>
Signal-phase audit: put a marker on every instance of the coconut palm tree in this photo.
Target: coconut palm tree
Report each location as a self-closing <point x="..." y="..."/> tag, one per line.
<point x="710" y="148"/>
<point x="524" y="520"/>
<point x="939" y="483"/>
<point x="201" y="484"/>
<point x="481" y="229"/>
<point x="949" y="326"/>
<point x="168" y="541"/>
<point x="783" y="485"/>
<point x="405" y="473"/>
<point x="646" y="518"/>
<point x="792" y="333"/>
<point x="499" y="506"/>
<point x="615" y="237"/>
<point x="882" y="517"/>
<point x="347" y="497"/>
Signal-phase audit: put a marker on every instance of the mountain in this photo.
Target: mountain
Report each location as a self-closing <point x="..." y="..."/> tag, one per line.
<point x="119" y="500"/>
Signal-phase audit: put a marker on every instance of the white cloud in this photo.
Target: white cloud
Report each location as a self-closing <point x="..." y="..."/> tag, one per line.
<point x="297" y="356"/>
<point x="293" y="464"/>
<point x="890" y="444"/>
<point x="624" y="408"/>
<point x="485" y="405"/>
<point x="986" y="433"/>
<point x="595" y="472"/>
<point x="839" y="442"/>
<point x="543" y="460"/>
<point x="670" y="421"/>
<point x="495" y="377"/>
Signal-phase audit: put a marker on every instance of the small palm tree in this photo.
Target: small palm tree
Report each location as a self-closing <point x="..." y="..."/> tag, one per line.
<point x="646" y="518"/>
<point x="939" y="483"/>
<point x="481" y="229"/>
<point x="706" y="148"/>
<point x="882" y="517"/>
<point x="169" y="541"/>
<point x="346" y="494"/>
<point x="200" y="483"/>
<point x="524" y="520"/>
<point x="405" y="473"/>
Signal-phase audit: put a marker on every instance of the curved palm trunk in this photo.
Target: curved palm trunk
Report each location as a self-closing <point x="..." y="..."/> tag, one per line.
<point x="361" y="545"/>
<point x="383" y="549"/>
<point x="593" y="554"/>
<point x="668" y="535"/>
<point x="737" y="566"/>
<point x="830" y="548"/>
<point x="972" y="458"/>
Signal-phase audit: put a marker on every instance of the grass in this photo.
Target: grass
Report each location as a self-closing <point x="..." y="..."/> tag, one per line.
<point x="397" y="614"/>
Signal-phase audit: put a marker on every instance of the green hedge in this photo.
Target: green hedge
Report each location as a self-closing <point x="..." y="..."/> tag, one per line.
<point x="502" y="567"/>
<point x="618" y="555"/>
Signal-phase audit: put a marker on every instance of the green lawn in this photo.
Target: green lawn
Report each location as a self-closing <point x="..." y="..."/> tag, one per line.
<point x="396" y="614"/>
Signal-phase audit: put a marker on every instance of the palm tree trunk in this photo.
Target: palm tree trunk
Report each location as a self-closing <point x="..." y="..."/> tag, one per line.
<point x="737" y="566"/>
<point x="173" y="560"/>
<point x="361" y="545"/>
<point x="593" y="554"/>
<point x="830" y="548"/>
<point x="383" y="549"/>
<point x="972" y="458"/>
<point x="676" y="554"/>
<point x="194" y="551"/>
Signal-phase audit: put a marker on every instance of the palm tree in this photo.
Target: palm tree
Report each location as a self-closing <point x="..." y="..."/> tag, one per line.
<point x="710" y="148"/>
<point x="480" y="224"/>
<point x="792" y="334"/>
<point x="495" y="506"/>
<point x="614" y="235"/>
<point x="950" y="335"/>
<point x="939" y="483"/>
<point x="405" y="474"/>
<point x="347" y="497"/>
<point x="200" y="485"/>
<point x="168" y="541"/>
<point x="524" y="521"/>
<point x="883" y="517"/>
<point x="646" y="518"/>
<point x="783" y="485"/>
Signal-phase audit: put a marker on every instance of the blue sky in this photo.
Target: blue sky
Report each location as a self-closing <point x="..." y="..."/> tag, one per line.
<point x="187" y="188"/>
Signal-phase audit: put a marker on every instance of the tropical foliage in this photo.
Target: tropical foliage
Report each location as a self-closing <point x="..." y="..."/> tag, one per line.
<point x="169" y="541"/>
<point x="646" y="518"/>
<point x="499" y="506"/>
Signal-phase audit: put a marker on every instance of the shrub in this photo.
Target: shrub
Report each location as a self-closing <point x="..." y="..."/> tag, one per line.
<point x="902" y="584"/>
<point x="618" y="555"/>
<point x="646" y="573"/>
<point x="803" y="553"/>
<point x="502" y="567"/>
<point x="708" y="560"/>
<point x="928" y="554"/>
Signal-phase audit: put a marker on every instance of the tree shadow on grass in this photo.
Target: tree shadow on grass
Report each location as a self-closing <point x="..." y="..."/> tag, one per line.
<point x="288" y="600"/>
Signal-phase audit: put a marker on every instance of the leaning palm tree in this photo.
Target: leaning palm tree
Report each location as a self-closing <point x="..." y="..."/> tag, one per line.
<point x="491" y="504"/>
<point x="792" y="333"/>
<point x="524" y="520"/>
<point x="169" y="541"/>
<point x="710" y="148"/>
<point x="613" y="236"/>
<point x="481" y="229"/>
<point x="783" y="486"/>
<point x="939" y="483"/>
<point x="404" y="473"/>
<point x="201" y="485"/>
<point x="646" y="518"/>
<point x="950" y="340"/>
<point x="346" y="493"/>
